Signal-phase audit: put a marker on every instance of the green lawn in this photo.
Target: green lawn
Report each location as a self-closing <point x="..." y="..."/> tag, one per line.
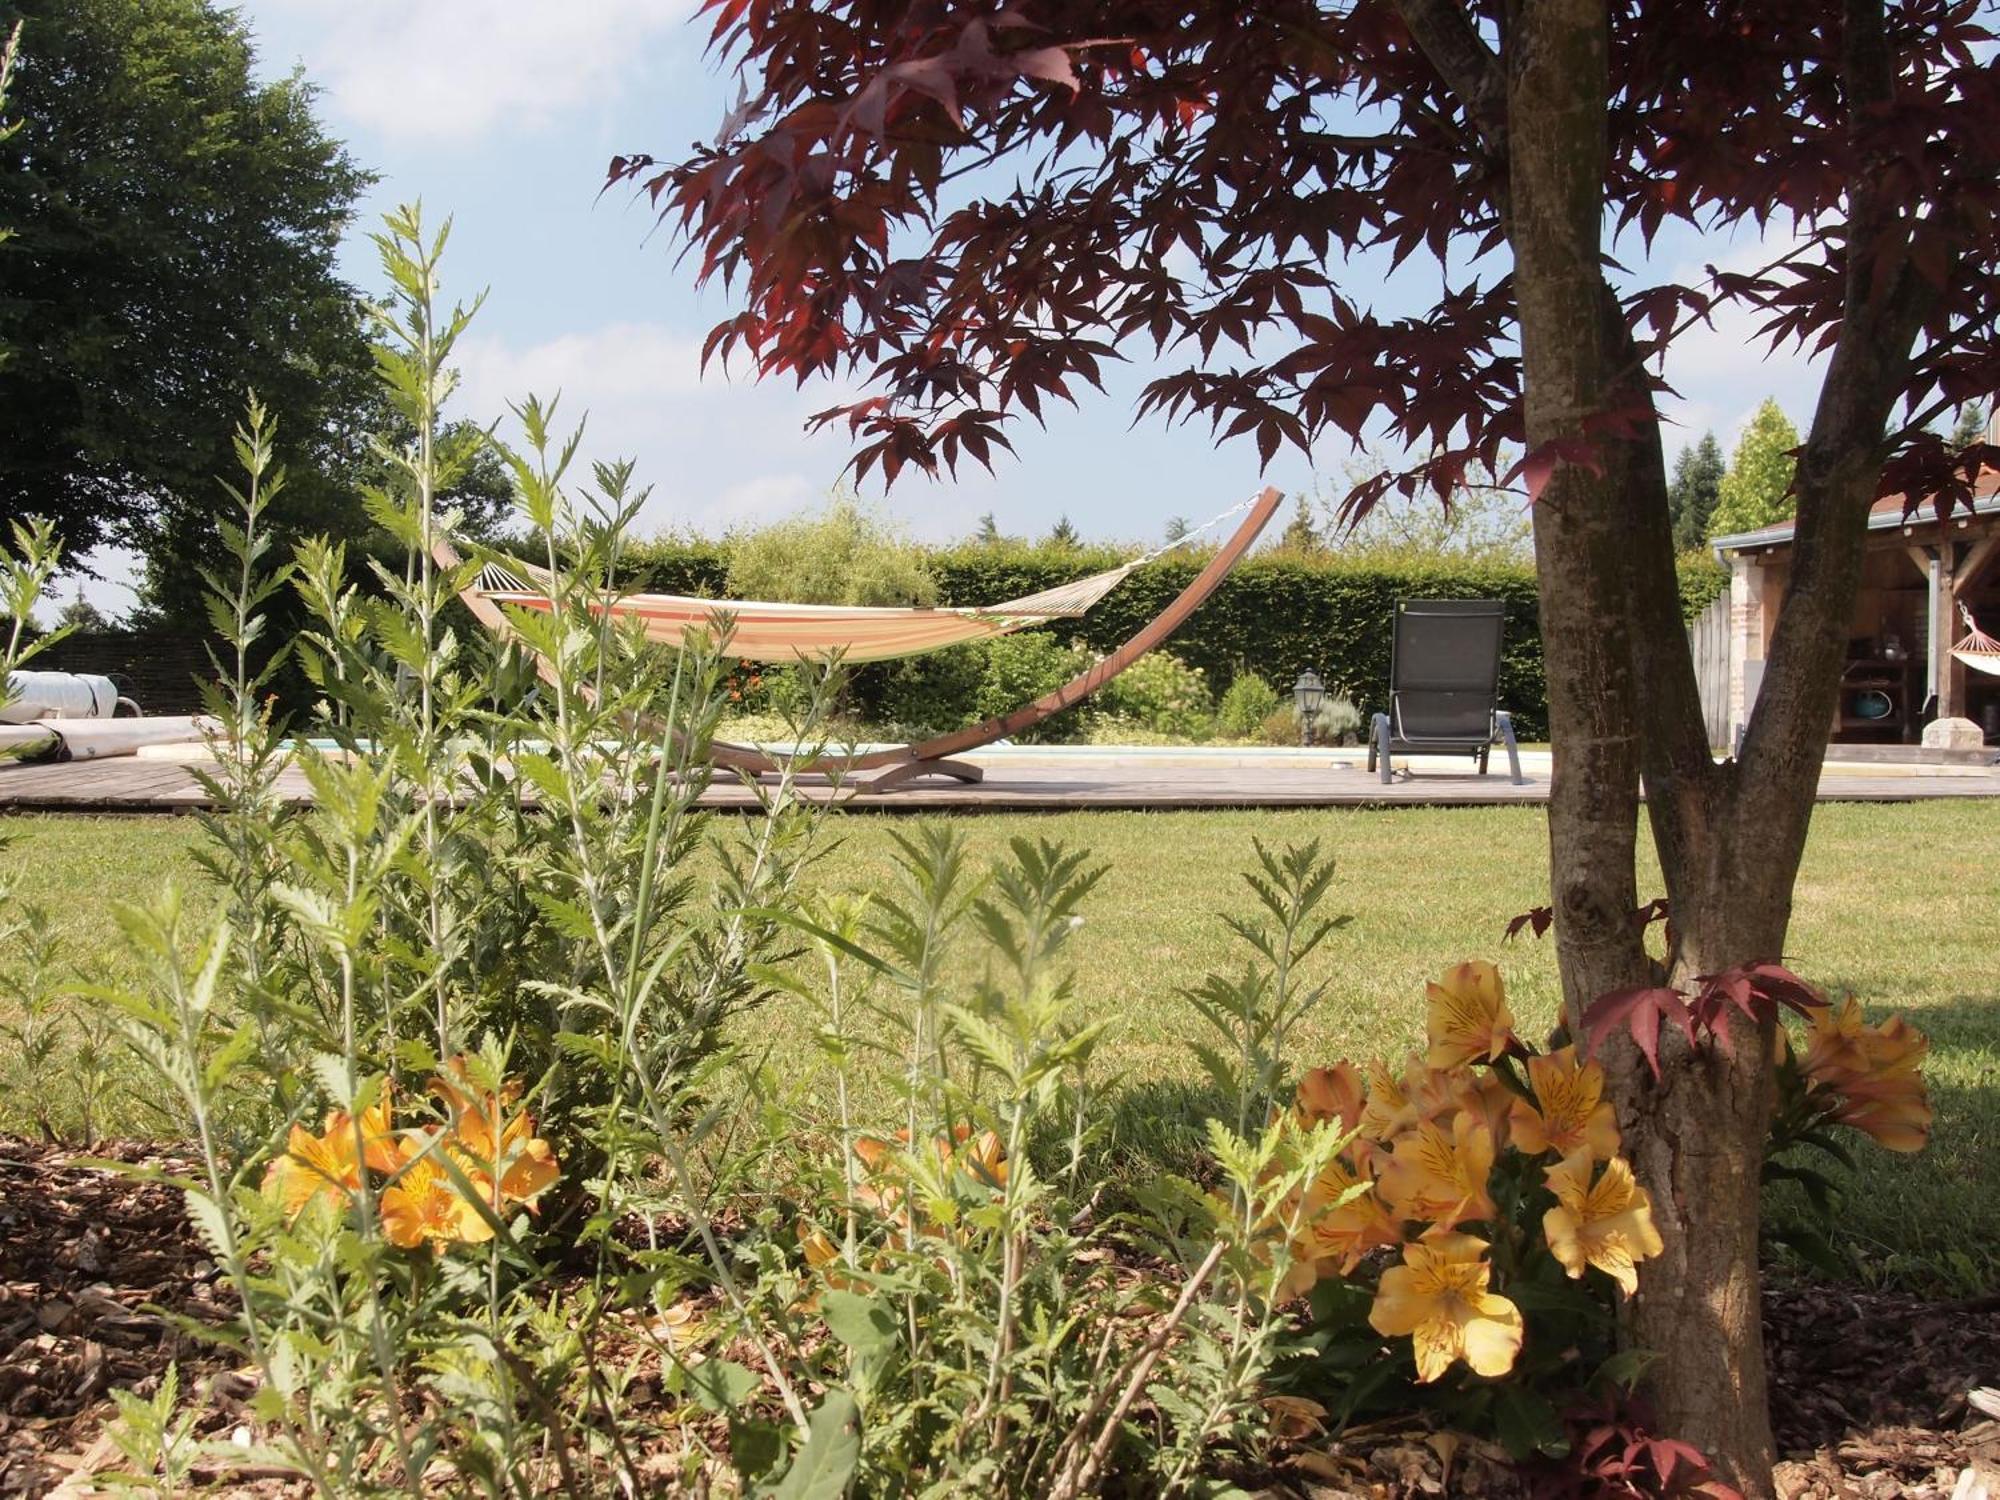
<point x="1894" y="902"/>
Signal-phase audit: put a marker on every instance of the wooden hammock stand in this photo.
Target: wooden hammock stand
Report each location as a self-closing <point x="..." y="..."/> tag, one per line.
<point x="900" y="764"/>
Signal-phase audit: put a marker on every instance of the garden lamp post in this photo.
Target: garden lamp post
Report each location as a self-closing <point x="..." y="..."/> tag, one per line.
<point x="1307" y="695"/>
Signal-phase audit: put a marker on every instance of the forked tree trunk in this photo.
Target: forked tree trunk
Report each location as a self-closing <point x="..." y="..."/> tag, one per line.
<point x="1622" y="693"/>
<point x="1693" y="1139"/>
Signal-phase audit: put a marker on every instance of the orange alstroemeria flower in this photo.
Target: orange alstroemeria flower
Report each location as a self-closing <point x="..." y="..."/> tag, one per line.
<point x="981" y="1157"/>
<point x="1467" y="1019"/>
<point x="1438" y="1174"/>
<point x="1387" y="1111"/>
<point x="1488" y="1100"/>
<point x="329" y="1163"/>
<point x="1334" y="1236"/>
<point x="1894" y="1112"/>
<point x="1607" y="1224"/>
<point x="1569" y="1110"/>
<point x="424" y="1207"/>
<point x="1875" y="1073"/>
<point x="1335" y="1093"/>
<point x="494" y="1144"/>
<point x="1439" y="1297"/>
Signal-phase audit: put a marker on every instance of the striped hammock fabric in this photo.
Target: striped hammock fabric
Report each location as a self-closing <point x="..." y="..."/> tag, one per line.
<point x="1978" y="650"/>
<point x="816" y="632"/>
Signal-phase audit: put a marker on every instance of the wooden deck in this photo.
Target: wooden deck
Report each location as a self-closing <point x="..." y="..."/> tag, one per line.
<point x="1032" y="781"/>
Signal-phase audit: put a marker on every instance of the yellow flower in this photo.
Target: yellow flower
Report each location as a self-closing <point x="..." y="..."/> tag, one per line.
<point x="327" y="1163"/>
<point x="1569" y="1109"/>
<point x="1439" y="1175"/>
<point x="423" y="1206"/>
<point x="1467" y="1019"/>
<point x="1439" y="1297"/>
<point x="499" y="1151"/>
<point x="1335" y="1093"/>
<point x="1875" y="1073"/>
<point x="1333" y="1236"/>
<point x="1487" y="1099"/>
<point x="1608" y="1225"/>
<point x="983" y="1157"/>
<point x="1387" y="1111"/>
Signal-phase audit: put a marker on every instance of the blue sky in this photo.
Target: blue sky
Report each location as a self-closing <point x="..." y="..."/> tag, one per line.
<point x="503" y="115"/>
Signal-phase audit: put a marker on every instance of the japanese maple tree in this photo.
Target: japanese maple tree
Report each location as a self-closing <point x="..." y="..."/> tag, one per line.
<point x="973" y="207"/>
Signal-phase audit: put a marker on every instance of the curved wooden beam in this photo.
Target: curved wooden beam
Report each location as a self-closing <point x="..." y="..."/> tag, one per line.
<point x="908" y="759"/>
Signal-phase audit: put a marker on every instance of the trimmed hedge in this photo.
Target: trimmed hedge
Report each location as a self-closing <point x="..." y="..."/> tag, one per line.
<point x="1275" y="614"/>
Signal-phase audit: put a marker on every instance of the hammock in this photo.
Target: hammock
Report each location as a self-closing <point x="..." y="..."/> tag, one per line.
<point x="769" y="632"/>
<point x="774" y="632"/>
<point x="812" y="631"/>
<point x="1978" y="650"/>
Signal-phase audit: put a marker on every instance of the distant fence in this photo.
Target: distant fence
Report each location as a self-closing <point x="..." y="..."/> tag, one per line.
<point x="1708" y="641"/>
<point x="157" y="669"/>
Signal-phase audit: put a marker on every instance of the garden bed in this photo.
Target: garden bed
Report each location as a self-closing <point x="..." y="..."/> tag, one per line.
<point x="1870" y="1389"/>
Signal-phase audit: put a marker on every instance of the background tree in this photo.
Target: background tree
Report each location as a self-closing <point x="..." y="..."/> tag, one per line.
<point x="177" y="224"/>
<point x="10" y="50"/>
<point x="1176" y="528"/>
<point x="1970" y="426"/>
<point x="1756" y="490"/>
<point x="988" y="532"/>
<point x="81" y="616"/>
<point x="1063" y="534"/>
<point x="1696" y="488"/>
<point x="1300" y="534"/>
<point x="328" y="502"/>
<point x="1195" y="178"/>
<point x="1485" y="521"/>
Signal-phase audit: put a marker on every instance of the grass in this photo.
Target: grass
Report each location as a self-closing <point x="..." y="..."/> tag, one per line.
<point x="1894" y="902"/>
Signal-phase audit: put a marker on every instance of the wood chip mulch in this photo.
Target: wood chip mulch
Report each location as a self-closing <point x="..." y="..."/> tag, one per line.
<point x="1874" y="1394"/>
<point x="84" y="1253"/>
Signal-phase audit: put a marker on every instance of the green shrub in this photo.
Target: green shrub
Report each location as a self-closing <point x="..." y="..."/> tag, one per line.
<point x="1022" y="667"/>
<point x="924" y="694"/>
<point x="1249" y="701"/>
<point x="1280" y="726"/>
<point x="1338" y="721"/>
<point x="1161" y="694"/>
<point x="1703" y="580"/>
<point x="843" y="555"/>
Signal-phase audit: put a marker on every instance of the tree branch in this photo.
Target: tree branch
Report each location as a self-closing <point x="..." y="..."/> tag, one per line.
<point x="1470" y="69"/>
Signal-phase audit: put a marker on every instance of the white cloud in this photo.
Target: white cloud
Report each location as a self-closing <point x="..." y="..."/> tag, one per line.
<point x="456" y="70"/>
<point x="717" y="451"/>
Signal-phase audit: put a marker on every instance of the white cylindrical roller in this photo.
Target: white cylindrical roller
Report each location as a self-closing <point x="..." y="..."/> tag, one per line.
<point x="95" y="739"/>
<point x="58" y="695"/>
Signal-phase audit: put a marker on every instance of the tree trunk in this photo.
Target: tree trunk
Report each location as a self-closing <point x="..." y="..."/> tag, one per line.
<point x="1622" y="692"/>
<point x="1603" y="552"/>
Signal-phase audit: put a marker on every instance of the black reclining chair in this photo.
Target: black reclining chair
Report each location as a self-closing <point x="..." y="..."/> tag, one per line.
<point x="1444" y="684"/>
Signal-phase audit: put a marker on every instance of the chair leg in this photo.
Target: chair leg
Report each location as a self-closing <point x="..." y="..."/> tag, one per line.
<point x="1505" y="723"/>
<point x="1485" y="750"/>
<point x="910" y="770"/>
<point x="1378" y="749"/>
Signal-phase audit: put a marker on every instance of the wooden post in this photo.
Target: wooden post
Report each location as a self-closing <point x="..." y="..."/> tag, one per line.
<point x="1944" y="627"/>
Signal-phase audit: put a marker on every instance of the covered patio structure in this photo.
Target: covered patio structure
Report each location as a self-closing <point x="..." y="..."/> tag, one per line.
<point x="1917" y="575"/>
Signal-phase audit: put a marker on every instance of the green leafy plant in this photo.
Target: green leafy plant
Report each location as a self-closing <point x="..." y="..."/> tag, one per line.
<point x="1163" y="695"/>
<point x="1022" y="667"/>
<point x="155" y="1435"/>
<point x="843" y="555"/>
<point x="1246" y="704"/>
